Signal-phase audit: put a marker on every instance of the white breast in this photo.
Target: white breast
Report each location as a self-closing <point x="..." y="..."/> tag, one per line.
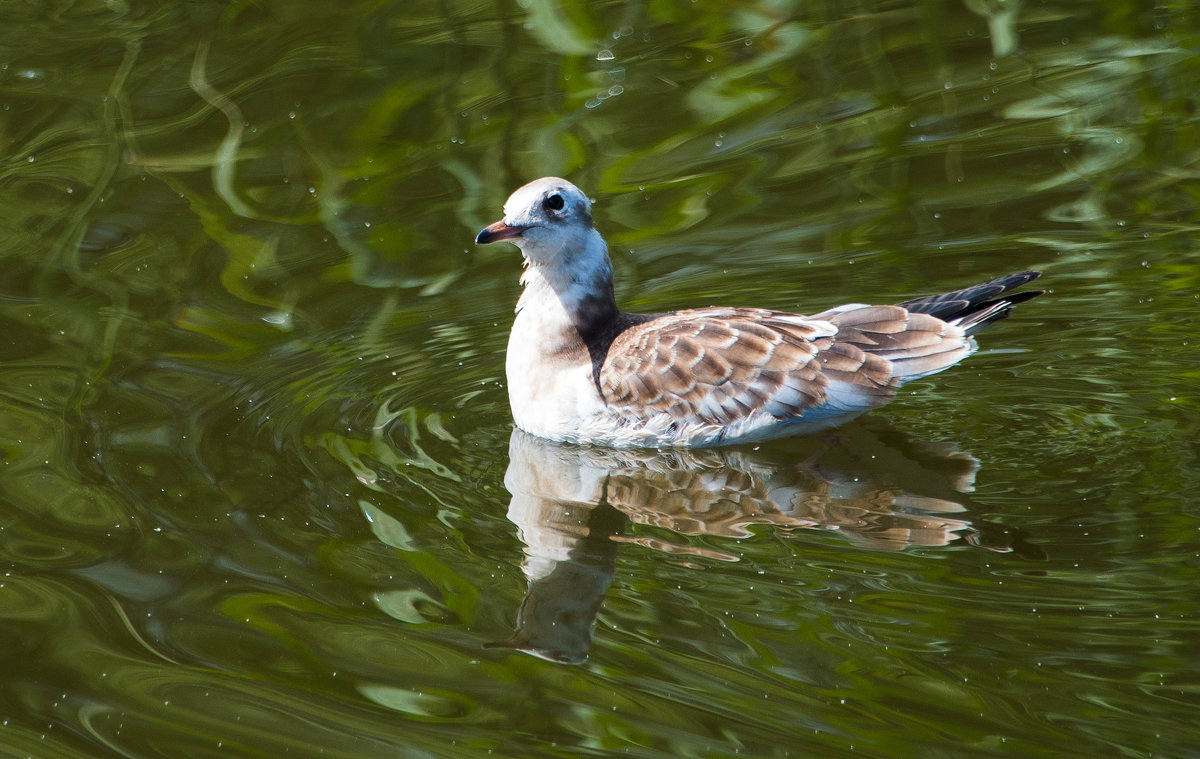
<point x="551" y="394"/>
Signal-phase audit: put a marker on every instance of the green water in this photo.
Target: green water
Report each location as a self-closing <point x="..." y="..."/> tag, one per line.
<point x="259" y="491"/>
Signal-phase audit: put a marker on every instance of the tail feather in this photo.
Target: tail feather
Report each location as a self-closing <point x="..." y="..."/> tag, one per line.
<point x="973" y="307"/>
<point x="912" y="338"/>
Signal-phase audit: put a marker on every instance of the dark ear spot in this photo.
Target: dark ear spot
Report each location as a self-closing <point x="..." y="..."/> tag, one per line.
<point x="554" y="202"/>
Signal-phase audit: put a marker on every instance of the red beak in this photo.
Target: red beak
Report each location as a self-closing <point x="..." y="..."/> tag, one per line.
<point x="498" y="231"/>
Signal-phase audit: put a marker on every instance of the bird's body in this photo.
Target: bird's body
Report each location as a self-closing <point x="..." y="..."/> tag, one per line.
<point x="580" y="370"/>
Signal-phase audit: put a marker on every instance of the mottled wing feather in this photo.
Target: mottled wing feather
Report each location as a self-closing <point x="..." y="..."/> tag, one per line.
<point x="720" y="365"/>
<point x="910" y="344"/>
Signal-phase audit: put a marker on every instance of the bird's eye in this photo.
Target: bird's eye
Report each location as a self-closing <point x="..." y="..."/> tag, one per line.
<point x="554" y="203"/>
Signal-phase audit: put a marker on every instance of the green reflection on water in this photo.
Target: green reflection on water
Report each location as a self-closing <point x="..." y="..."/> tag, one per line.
<point x="254" y="436"/>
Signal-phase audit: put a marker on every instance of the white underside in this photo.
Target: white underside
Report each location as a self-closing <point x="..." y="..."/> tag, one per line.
<point x="662" y="431"/>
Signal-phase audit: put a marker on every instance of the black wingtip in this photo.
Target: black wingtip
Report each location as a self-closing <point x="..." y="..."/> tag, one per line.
<point x="980" y="304"/>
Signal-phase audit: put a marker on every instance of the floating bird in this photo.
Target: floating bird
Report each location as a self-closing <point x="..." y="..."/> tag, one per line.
<point x="580" y="370"/>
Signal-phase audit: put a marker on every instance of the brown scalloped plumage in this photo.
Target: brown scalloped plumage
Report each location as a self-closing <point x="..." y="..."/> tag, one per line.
<point x="722" y="364"/>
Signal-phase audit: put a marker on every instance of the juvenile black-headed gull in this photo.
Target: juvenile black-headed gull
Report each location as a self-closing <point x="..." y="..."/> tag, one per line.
<point x="581" y="370"/>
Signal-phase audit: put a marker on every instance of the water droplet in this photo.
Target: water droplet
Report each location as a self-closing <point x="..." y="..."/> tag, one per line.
<point x="605" y="55"/>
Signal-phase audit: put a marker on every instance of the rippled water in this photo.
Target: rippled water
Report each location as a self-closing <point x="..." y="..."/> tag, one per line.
<point x="260" y="492"/>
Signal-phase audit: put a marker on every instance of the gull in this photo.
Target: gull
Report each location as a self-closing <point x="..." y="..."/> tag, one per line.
<point x="580" y="370"/>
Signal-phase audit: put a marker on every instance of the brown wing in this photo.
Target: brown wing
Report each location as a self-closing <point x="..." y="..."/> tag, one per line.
<point x="720" y="365"/>
<point x="913" y="344"/>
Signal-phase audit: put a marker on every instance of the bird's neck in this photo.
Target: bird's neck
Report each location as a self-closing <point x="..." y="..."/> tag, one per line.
<point x="578" y="296"/>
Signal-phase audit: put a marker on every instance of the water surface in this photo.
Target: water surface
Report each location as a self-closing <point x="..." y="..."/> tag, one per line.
<point x="260" y="491"/>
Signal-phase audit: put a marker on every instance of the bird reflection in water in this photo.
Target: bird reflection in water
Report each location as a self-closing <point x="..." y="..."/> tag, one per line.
<point x="573" y="505"/>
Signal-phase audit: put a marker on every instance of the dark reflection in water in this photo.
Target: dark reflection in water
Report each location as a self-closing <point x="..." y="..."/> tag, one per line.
<point x="574" y="505"/>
